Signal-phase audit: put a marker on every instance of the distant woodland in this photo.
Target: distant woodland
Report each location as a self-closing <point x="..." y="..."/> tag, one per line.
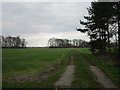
<point x="12" y="42"/>
<point x="66" y="43"/>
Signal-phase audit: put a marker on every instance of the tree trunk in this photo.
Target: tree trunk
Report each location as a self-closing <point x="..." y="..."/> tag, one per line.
<point x="108" y="37"/>
<point x="119" y="32"/>
<point x="104" y="41"/>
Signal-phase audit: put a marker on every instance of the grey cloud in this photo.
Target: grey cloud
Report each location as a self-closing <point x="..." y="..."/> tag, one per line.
<point x="60" y="16"/>
<point x="48" y="18"/>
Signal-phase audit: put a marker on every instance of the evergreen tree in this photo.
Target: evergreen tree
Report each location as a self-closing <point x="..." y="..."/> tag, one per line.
<point x="101" y="16"/>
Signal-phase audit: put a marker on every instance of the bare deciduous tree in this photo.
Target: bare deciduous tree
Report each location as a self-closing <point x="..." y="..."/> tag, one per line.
<point x="12" y="42"/>
<point x="66" y="43"/>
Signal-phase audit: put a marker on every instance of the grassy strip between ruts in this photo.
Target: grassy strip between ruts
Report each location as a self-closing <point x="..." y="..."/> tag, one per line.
<point x="45" y="83"/>
<point x="83" y="78"/>
<point x="110" y="70"/>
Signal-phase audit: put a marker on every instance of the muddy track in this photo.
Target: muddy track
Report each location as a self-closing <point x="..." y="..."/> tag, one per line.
<point x="99" y="75"/>
<point x="67" y="77"/>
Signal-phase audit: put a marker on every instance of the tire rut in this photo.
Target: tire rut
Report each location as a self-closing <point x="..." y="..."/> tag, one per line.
<point x="67" y="77"/>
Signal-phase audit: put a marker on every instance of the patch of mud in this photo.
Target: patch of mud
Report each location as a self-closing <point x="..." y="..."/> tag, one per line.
<point x="31" y="77"/>
<point x="67" y="77"/>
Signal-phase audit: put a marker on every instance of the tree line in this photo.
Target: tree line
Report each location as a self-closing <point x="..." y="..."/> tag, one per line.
<point x="12" y="42"/>
<point x="66" y="43"/>
<point x="102" y="25"/>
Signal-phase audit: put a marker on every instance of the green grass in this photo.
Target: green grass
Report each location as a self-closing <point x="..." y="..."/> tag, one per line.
<point x="30" y="59"/>
<point x="110" y="70"/>
<point x="83" y="77"/>
<point x="33" y="60"/>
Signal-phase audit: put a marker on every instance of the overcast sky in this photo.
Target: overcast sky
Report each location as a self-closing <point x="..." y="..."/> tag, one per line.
<point x="39" y="21"/>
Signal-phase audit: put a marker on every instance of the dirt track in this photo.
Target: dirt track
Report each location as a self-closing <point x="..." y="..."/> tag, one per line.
<point x="67" y="77"/>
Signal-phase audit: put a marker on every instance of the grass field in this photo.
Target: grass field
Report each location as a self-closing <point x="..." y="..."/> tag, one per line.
<point x="30" y="61"/>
